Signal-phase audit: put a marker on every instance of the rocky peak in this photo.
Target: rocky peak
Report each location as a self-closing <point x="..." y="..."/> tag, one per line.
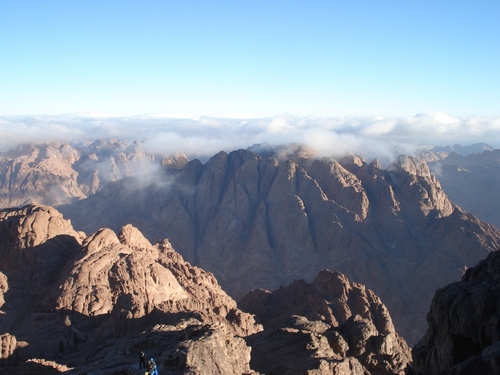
<point x="352" y="162"/>
<point x="343" y="323"/>
<point x="111" y="290"/>
<point x="411" y="166"/>
<point x="132" y="237"/>
<point x="36" y="243"/>
<point x="177" y="161"/>
<point x="417" y="184"/>
<point x="257" y="222"/>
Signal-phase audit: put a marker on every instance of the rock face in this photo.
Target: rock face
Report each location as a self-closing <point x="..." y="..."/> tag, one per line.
<point x="90" y="303"/>
<point x="57" y="173"/>
<point x="262" y="222"/>
<point x="472" y="181"/>
<point x="463" y="336"/>
<point x="8" y="344"/>
<point x="328" y="326"/>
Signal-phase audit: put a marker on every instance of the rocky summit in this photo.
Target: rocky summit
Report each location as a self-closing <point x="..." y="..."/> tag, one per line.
<point x="463" y="335"/>
<point x="263" y="220"/>
<point x="90" y="304"/>
<point x="329" y="326"/>
<point x="55" y="173"/>
<point x="77" y="304"/>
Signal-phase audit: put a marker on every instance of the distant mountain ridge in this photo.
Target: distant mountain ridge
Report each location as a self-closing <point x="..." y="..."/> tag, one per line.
<point x="472" y="181"/>
<point x="56" y="173"/>
<point x="476" y="148"/>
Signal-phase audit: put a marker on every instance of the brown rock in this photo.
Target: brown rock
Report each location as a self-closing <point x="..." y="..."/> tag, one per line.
<point x="109" y="289"/>
<point x="463" y="336"/>
<point x="8" y="344"/>
<point x="56" y="173"/>
<point x="261" y="222"/>
<point x="212" y="350"/>
<point x="472" y="181"/>
<point x="334" y="322"/>
<point x="4" y="287"/>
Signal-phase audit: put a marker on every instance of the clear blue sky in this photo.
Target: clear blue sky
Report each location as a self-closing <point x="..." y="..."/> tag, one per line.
<point x="254" y="58"/>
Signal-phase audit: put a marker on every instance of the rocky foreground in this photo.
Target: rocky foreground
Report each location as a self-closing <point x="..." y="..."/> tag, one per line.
<point x="331" y="324"/>
<point x="463" y="337"/>
<point x="89" y="304"/>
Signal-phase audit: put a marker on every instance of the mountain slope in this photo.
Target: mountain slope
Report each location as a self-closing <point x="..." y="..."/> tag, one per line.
<point x="88" y="303"/>
<point x="258" y="221"/>
<point x="343" y="323"/>
<point x="56" y="173"/>
<point x="473" y="182"/>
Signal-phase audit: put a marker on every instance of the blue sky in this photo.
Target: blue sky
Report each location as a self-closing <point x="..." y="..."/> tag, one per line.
<point x="250" y="58"/>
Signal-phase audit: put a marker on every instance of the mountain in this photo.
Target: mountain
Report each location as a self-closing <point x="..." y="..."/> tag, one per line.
<point x="262" y="221"/>
<point x="475" y="148"/>
<point x="87" y="304"/>
<point x="344" y="324"/>
<point x="440" y="152"/>
<point x="56" y="173"/>
<point x="472" y="181"/>
<point x="463" y="325"/>
<point x="90" y="304"/>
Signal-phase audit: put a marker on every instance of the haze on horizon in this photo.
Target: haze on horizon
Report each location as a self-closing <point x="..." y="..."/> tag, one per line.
<point x="224" y="75"/>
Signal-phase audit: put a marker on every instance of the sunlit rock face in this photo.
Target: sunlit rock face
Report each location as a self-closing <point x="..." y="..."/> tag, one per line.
<point x="328" y="326"/>
<point x="463" y="325"/>
<point x="69" y="299"/>
<point x="56" y="173"/>
<point x="262" y="221"/>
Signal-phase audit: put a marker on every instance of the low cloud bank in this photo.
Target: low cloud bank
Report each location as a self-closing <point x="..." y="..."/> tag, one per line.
<point x="202" y="137"/>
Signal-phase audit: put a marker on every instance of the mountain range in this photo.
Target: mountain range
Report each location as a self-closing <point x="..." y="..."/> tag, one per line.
<point x="90" y="304"/>
<point x="264" y="217"/>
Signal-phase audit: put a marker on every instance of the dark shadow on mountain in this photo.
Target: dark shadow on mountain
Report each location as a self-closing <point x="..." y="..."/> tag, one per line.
<point x="73" y="339"/>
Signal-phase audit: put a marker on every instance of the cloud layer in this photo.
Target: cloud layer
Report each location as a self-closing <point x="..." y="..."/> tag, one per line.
<point x="205" y="136"/>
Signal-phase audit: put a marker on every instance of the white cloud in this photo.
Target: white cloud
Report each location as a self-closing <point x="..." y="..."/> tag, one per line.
<point x="205" y="136"/>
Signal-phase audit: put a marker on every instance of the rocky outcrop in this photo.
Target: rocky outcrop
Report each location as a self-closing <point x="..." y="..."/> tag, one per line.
<point x="8" y="344"/>
<point x="463" y="335"/>
<point x="472" y="181"/>
<point x="88" y="303"/>
<point x="328" y="326"/>
<point x="56" y="173"/>
<point x="212" y="350"/>
<point x="4" y="287"/>
<point x="130" y="279"/>
<point x="262" y="221"/>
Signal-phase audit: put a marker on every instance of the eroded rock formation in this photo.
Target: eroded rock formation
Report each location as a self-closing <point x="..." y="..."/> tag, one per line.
<point x="463" y="336"/>
<point x="56" y="173"/>
<point x="328" y="326"/>
<point x="472" y="181"/>
<point x="263" y="221"/>
<point x="89" y="303"/>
